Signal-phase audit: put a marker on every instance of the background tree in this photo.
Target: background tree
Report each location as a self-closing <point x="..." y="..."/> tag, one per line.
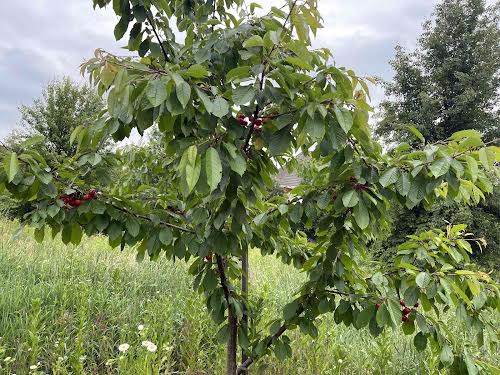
<point x="450" y="83"/>
<point x="236" y="99"/>
<point x="62" y="107"/>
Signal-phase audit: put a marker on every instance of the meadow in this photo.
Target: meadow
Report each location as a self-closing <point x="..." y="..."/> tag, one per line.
<point x="67" y="310"/>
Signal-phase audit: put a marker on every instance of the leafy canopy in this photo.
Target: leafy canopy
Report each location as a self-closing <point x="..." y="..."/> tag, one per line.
<point x="206" y="200"/>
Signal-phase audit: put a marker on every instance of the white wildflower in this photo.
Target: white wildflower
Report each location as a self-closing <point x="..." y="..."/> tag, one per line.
<point x="140" y="327"/>
<point x="33" y="367"/>
<point x="123" y="347"/>
<point x="7" y="359"/>
<point x="146" y="343"/>
<point x="152" y="348"/>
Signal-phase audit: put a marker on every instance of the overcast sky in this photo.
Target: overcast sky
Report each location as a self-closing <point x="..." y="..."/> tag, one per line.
<point x="44" y="39"/>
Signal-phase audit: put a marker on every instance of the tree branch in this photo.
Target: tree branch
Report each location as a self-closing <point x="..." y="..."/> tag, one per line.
<point x="246" y="364"/>
<point x="157" y="37"/>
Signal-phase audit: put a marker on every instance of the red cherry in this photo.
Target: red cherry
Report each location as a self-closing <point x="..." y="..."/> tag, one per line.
<point x="377" y="306"/>
<point x="87" y="197"/>
<point x="77" y="203"/>
<point x="416" y="305"/>
<point x="241" y="115"/>
<point x="258" y="122"/>
<point x="93" y="194"/>
<point x="405" y="318"/>
<point x="402" y="302"/>
<point x="251" y="118"/>
<point x="243" y="122"/>
<point x="406" y="310"/>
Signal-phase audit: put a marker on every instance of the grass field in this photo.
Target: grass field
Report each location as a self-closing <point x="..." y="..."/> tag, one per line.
<point x="65" y="310"/>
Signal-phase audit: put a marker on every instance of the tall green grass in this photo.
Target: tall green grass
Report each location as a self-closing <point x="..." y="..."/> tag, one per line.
<point x="65" y="310"/>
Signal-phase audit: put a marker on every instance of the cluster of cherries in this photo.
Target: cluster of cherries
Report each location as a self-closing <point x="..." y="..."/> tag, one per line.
<point x="256" y="122"/>
<point x="357" y="186"/>
<point x="75" y="201"/>
<point x="405" y="312"/>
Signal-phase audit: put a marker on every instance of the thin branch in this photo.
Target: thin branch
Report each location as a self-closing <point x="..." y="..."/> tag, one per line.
<point x="246" y="364"/>
<point x="157" y="37"/>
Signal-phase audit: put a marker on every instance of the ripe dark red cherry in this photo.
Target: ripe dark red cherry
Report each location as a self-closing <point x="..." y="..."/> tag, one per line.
<point x="402" y="302"/>
<point x="377" y="306"/>
<point x="87" y="197"/>
<point x="93" y="194"/>
<point x="405" y="318"/>
<point x="77" y="203"/>
<point x="258" y="122"/>
<point x="406" y="310"/>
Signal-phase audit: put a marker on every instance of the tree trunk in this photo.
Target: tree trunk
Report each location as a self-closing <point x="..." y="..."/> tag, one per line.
<point x="232" y="344"/>
<point x="244" y="292"/>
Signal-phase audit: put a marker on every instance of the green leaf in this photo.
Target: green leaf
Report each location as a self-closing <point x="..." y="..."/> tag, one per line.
<point x="487" y="158"/>
<point x="238" y="164"/>
<point x="198" y="71"/>
<point x="11" y="166"/>
<point x="31" y="141"/>
<point x="446" y="357"/>
<point x="403" y="184"/>
<point x="361" y="215"/>
<point x="423" y="279"/>
<point x="121" y="27"/>
<point x="133" y="226"/>
<point x="166" y="236"/>
<point x="183" y="91"/>
<point x="365" y="316"/>
<point x="416" y="132"/>
<point x="440" y="167"/>
<point x="243" y="95"/>
<point x="254" y="41"/>
<point x="383" y="317"/>
<point x="389" y="177"/>
<point x="344" y="117"/>
<point x="205" y="100"/>
<point x="298" y="62"/>
<point x="66" y="234"/>
<point x="193" y="175"/>
<point x="156" y="92"/>
<point x="469" y="133"/>
<point x="213" y="168"/>
<point x="290" y="310"/>
<point x="238" y="73"/>
<point x="39" y="234"/>
<point x="76" y="234"/>
<point x="472" y="167"/>
<point x="420" y="341"/>
<point x="350" y="198"/>
<point x="220" y="107"/>
<point x="315" y="128"/>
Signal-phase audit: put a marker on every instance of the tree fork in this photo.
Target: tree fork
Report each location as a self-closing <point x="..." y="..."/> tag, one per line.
<point x="231" y="364"/>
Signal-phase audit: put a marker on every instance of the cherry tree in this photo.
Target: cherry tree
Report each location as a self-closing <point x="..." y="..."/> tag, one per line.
<point x="238" y="98"/>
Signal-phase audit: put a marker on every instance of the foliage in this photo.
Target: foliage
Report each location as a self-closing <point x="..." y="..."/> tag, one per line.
<point x="63" y="106"/>
<point x="450" y="83"/>
<point x="101" y="296"/>
<point x="209" y="204"/>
